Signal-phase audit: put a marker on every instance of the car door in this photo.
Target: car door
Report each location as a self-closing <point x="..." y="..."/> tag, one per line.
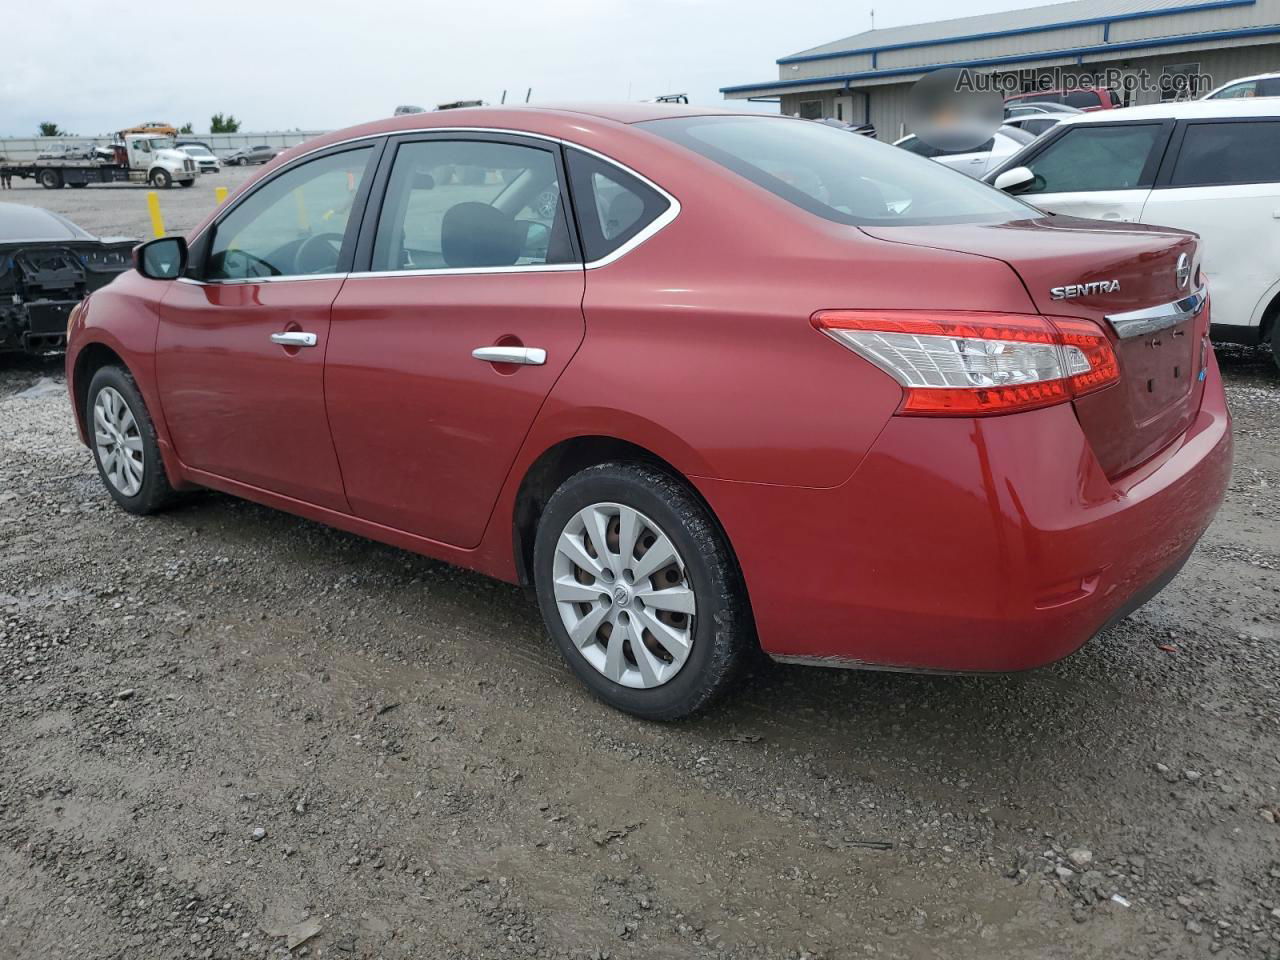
<point x="241" y="342"/>
<point x="971" y="162"/>
<point x="1222" y="181"/>
<point x="466" y="307"/>
<point x="1099" y="170"/>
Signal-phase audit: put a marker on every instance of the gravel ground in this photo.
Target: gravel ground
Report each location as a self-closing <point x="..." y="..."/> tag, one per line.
<point x="226" y="731"/>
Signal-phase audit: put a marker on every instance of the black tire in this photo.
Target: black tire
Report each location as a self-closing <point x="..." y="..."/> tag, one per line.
<point x="188" y="183"/>
<point x="155" y="492"/>
<point x="51" y="179"/>
<point x="161" y="179"/>
<point x="723" y="632"/>
<point x="78" y="186"/>
<point x="1275" y="341"/>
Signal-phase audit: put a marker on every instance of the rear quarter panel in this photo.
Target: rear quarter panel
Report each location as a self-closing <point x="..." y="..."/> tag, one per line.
<point x="703" y="334"/>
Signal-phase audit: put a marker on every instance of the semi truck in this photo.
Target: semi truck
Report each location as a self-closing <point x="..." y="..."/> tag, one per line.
<point x="132" y="157"/>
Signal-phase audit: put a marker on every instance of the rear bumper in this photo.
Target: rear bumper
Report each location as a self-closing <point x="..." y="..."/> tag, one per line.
<point x="991" y="544"/>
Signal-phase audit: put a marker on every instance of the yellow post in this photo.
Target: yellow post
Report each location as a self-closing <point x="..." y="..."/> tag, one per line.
<point x="304" y="221"/>
<point x="157" y="221"/>
<point x="219" y="194"/>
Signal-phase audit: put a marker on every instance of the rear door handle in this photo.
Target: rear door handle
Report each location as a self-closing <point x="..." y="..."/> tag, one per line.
<point x="529" y="356"/>
<point x="294" y="338"/>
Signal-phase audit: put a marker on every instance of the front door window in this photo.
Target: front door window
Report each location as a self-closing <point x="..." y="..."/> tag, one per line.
<point x="294" y="225"/>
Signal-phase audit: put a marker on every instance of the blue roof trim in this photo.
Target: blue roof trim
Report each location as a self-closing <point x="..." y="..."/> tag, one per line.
<point x="846" y="78"/>
<point x="1104" y="22"/>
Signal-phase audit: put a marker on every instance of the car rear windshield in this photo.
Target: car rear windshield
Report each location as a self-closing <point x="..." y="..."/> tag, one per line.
<point x="838" y="175"/>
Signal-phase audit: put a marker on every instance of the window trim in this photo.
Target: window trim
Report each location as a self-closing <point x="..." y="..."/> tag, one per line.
<point x="658" y="224"/>
<point x="1164" y="181"/>
<point x="581" y="204"/>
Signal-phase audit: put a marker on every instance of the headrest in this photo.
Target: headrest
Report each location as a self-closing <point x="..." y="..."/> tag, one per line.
<point x="624" y="210"/>
<point x="478" y="235"/>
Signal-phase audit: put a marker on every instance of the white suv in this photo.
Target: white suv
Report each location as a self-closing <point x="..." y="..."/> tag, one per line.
<point x="1209" y="166"/>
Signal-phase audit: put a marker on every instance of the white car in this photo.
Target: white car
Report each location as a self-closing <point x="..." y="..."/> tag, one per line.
<point x="205" y="158"/>
<point x="1004" y="143"/>
<point x="1206" y="165"/>
<point x="1263" y="85"/>
<point x="1037" y="123"/>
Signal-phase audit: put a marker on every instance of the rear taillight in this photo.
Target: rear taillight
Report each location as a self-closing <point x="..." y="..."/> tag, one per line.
<point x="959" y="363"/>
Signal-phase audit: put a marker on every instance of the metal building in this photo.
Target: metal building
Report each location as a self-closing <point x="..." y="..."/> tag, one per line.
<point x="1148" y="50"/>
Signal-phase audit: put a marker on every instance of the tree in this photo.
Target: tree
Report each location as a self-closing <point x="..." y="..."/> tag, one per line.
<point x="220" y="124"/>
<point x="50" y="129"/>
<point x="187" y="128"/>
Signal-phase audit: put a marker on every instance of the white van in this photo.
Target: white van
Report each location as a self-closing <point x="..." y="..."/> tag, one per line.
<point x="1211" y="166"/>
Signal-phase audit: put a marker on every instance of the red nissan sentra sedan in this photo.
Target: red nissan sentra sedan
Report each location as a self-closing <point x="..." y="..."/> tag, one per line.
<point x="703" y="380"/>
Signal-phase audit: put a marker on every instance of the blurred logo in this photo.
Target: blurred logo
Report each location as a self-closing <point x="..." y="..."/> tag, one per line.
<point x="953" y="115"/>
<point x="1183" y="272"/>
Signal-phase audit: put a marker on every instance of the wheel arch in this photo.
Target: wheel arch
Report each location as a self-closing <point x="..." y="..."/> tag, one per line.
<point x="1267" y="323"/>
<point x="91" y="358"/>
<point x="562" y="460"/>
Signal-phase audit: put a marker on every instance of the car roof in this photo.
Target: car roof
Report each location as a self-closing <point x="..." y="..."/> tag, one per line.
<point x="20" y="223"/>
<point x="1186" y="110"/>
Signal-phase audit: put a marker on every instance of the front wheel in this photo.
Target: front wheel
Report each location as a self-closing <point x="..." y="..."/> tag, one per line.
<point x="640" y="591"/>
<point x="123" y="440"/>
<point x="188" y="183"/>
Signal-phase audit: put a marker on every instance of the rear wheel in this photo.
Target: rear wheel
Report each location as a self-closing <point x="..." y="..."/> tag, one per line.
<point x="50" y="179"/>
<point x="123" y="439"/>
<point x="78" y="186"/>
<point x="640" y="591"/>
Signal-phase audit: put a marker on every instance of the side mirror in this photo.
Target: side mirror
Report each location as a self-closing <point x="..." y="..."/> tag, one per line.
<point x="162" y="259"/>
<point x="1013" y="179"/>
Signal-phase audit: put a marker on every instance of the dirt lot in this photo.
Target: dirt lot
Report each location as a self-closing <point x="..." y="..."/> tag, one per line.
<point x="224" y="727"/>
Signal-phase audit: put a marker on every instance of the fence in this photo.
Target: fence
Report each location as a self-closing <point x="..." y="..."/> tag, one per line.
<point x="24" y="149"/>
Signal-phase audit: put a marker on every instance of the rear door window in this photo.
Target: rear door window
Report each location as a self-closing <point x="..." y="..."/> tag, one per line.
<point x="1090" y="157"/>
<point x="613" y="206"/>
<point x="1217" y="153"/>
<point x="471" y="204"/>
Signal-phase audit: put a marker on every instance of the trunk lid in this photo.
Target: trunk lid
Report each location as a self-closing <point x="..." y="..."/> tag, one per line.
<point x="1102" y="269"/>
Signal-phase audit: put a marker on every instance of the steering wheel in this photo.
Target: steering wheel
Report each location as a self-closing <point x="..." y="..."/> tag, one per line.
<point x="318" y="254"/>
<point x="241" y="265"/>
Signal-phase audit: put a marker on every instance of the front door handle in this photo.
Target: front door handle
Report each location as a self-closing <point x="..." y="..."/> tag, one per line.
<point x="294" y="338"/>
<point x="530" y="356"/>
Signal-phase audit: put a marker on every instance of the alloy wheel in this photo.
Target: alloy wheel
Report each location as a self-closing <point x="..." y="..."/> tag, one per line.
<point x="118" y="441"/>
<point x="623" y="593"/>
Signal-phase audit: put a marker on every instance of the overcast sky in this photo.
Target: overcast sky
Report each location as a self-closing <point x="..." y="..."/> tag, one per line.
<point x="93" y="67"/>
